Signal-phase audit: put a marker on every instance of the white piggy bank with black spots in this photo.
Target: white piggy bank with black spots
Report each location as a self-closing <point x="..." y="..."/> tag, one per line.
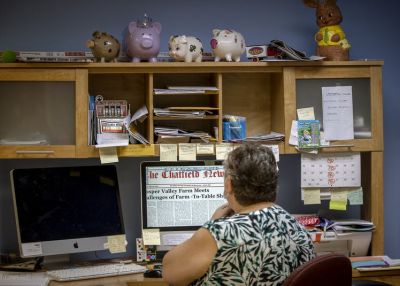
<point x="228" y="45"/>
<point x="185" y="48"/>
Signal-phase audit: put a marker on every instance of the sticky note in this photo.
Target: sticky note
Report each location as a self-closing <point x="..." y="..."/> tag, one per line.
<point x="355" y="196"/>
<point x="312" y="196"/>
<point x="187" y="152"/>
<point x="108" y="155"/>
<point x="306" y="113"/>
<point x="205" y="149"/>
<point x="32" y="248"/>
<point x="168" y="152"/>
<point x="338" y="200"/>
<point x="116" y="243"/>
<point x="151" y="236"/>
<point x="222" y="151"/>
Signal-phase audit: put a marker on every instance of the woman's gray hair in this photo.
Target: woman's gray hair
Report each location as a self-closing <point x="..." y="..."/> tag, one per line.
<point x="253" y="173"/>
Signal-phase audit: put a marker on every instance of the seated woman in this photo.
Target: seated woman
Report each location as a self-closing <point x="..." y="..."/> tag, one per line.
<point x="248" y="241"/>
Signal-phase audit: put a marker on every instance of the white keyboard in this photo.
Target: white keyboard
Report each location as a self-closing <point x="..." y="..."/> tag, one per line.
<point x="87" y="272"/>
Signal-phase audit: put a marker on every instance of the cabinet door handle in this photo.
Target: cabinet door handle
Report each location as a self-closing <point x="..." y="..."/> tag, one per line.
<point x="34" y="152"/>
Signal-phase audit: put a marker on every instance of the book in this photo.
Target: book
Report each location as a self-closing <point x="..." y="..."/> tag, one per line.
<point x="374" y="263"/>
<point x="308" y="133"/>
<point x="50" y="56"/>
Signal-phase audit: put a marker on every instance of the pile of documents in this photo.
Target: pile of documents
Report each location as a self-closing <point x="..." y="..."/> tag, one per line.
<point x="184" y="90"/>
<point x="175" y="132"/>
<point x="138" y="117"/>
<point x="180" y="113"/>
<point x="273" y="136"/>
<point x="374" y="263"/>
<point x="352" y="225"/>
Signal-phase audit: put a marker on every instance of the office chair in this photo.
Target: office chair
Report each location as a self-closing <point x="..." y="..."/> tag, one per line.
<point x="328" y="270"/>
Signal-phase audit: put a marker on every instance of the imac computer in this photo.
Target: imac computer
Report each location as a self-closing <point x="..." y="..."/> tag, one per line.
<point x="65" y="210"/>
<point x="179" y="197"/>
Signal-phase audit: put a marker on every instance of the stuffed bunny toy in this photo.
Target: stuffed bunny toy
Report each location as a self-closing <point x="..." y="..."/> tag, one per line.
<point x="331" y="40"/>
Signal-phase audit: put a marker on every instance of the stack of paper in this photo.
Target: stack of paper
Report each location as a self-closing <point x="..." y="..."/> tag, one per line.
<point x="168" y="131"/>
<point x="174" y="112"/>
<point x="351" y="225"/>
<point x="193" y="88"/>
<point x="273" y="136"/>
<point x="139" y="116"/>
<point x="136" y="135"/>
<point x="374" y="263"/>
<point x="23" y="278"/>
<point x="176" y="91"/>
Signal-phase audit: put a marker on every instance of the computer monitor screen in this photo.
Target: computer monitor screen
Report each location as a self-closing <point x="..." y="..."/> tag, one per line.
<point x="66" y="210"/>
<point x="179" y="197"/>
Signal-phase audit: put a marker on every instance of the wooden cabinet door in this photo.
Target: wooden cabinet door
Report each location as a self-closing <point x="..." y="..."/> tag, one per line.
<point x="40" y="112"/>
<point x="304" y="89"/>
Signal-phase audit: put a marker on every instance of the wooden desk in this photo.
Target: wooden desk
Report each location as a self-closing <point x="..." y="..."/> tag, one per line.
<point x="122" y="280"/>
<point x="388" y="276"/>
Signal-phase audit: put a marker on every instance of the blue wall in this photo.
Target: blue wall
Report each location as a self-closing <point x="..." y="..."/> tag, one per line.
<point x="67" y="24"/>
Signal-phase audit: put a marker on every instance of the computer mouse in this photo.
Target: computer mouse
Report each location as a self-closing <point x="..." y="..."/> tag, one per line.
<point x="154" y="273"/>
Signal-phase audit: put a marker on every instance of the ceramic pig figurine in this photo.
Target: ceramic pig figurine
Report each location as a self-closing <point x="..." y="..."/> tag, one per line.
<point x="185" y="48"/>
<point x="105" y="47"/>
<point x="227" y="44"/>
<point x="143" y="40"/>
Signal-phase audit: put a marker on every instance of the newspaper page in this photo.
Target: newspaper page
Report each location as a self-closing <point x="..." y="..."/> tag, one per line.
<point x="183" y="195"/>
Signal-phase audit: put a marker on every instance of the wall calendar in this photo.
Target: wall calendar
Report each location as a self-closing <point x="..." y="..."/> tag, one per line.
<point x="333" y="170"/>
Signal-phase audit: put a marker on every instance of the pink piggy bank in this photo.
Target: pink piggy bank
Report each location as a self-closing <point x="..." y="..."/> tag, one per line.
<point x="143" y="40"/>
<point x="227" y="44"/>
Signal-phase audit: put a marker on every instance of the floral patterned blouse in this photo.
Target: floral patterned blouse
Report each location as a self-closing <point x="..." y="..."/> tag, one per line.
<point x="259" y="248"/>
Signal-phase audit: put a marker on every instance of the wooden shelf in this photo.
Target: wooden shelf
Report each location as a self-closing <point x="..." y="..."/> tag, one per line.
<point x="265" y="93"/>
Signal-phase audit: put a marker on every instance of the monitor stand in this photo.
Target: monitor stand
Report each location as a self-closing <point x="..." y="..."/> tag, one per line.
<point x="56" y="261"/>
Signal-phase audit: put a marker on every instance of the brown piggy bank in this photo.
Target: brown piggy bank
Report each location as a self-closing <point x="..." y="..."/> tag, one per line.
<point x="105" y="47"/>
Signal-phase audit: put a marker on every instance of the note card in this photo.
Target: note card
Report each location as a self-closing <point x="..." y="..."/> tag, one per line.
<point x="116" y="243"/>
<point x="222" y="151"/>
<point x="338" y="200"/>
<point x="330" y="170"/>
<point x="187" y="152"/>
<point x="355" y="196"/>
<point x="337" y="106"/>
<point x="306" y="113"/>
<point x="312" y="196"/>
<point x="168" y="152"/>
<point x="108" y="155"/>
<point x="151" y="236"/>
<point x="205" y="149"/>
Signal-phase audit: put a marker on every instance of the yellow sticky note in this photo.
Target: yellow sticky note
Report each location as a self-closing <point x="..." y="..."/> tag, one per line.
<point x="355" y="196"/>
<point x="108" y="155"/>
<point x="222" y="150"/>
<point x="306" y="113"/>
<point x="151" y="236"/>
<point x="187" y="152"/>
<point x="312" y="196"/>
<point x="338" y="200"/>
<point x="205" y="149"/>
<point x="168" y="152"/>
<point x="116" y="243"/>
